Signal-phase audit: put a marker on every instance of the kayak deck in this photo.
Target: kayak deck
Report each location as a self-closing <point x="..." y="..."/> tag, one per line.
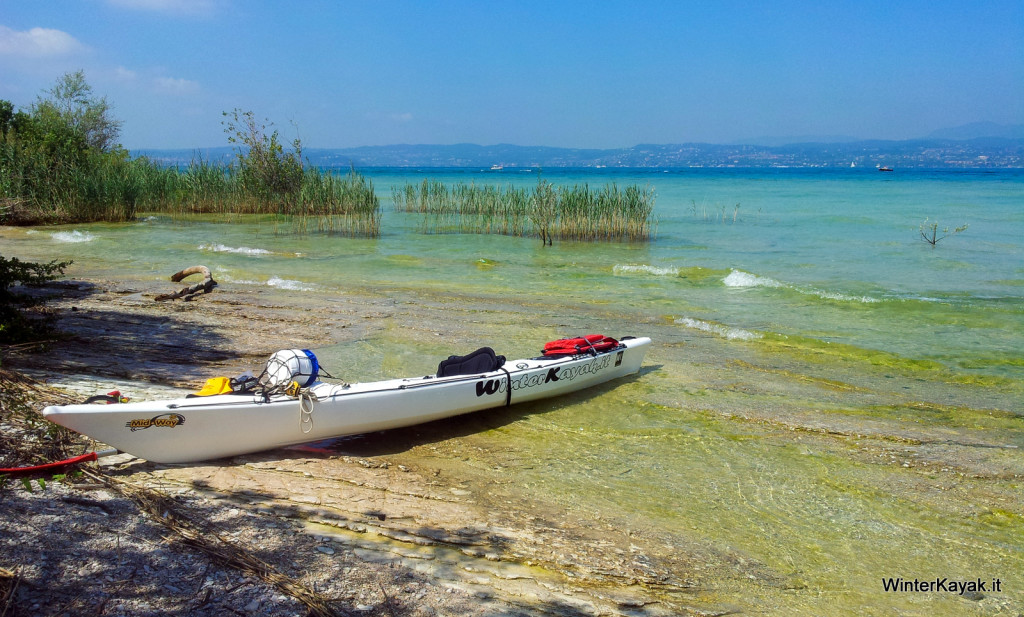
<point x="203" y="428"/>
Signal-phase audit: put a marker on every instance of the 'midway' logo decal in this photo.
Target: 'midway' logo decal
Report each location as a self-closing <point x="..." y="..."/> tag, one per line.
<point x="166" y="420"/>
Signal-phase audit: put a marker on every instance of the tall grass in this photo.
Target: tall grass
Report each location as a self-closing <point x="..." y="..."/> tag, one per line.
<point x="466" y="208"/>
<point x="337" y="205"/>
<point x="43" y="189"/>
<point x="112" y="188"/>
<point x="199" y="188"/>
<point x="567" y="213"/>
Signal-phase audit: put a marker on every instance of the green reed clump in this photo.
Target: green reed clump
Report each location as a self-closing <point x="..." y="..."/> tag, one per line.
<point x="205" y="187"/>
<point x="98" y="187"/>
<point x="323" y="201"/>
<point x="337" y="205"/>
<point x="465" y="208"/>
<point x="200" y="188"/>
<point x="578" y="213"/>
<point x="109" y="190"/>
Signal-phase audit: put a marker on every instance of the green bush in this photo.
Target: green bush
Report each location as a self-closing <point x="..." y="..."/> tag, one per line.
<point x="16" y="325"/>
<point x="265" y="169"/>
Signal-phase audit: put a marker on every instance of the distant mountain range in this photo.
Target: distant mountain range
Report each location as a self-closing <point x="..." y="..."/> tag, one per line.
<point x="976" y="130"/>
<point x="978" y="145"/>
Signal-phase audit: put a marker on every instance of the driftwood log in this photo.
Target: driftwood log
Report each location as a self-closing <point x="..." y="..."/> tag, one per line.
<point x="188" y="292"/>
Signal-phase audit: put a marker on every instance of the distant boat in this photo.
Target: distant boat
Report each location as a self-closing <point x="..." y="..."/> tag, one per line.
<point x="885" y="169"/>
<point x="497" y="167"/>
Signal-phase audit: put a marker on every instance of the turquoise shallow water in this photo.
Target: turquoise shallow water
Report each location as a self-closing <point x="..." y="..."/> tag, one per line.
<point x="829" y="400"/>
<point x="831" y="255"/>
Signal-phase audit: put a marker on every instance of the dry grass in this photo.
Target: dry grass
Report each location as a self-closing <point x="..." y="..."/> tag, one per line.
<point x="25" y="437"/>
<point x="208" y="540"/>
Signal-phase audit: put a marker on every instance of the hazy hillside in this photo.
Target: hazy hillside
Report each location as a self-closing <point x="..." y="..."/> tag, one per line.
<point x="986" y="145"/>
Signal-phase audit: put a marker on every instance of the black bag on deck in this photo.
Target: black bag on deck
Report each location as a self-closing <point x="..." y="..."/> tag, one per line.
<point x="482" y="360"/>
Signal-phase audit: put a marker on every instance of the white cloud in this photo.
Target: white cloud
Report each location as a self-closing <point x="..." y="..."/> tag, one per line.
<point x="38" y="43"/>
<point x="175" y="85"/>
<point x="123" y="74"/>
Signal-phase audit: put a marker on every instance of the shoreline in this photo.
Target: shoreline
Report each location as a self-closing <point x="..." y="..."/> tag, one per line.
<point x="425" y="548"/>
<point x="419" y="511"/>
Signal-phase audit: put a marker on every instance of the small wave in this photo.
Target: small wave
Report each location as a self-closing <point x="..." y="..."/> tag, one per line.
<point x="244" y="250"/>
<point x="290" y="284"/>
<point x="645" y="269"/>
<point x="226" y="278"/>
<point x="829" y="295"/>
<point x="733" y="334"/>
<point x="72" y="236"/>
<point x="738" y="278"/>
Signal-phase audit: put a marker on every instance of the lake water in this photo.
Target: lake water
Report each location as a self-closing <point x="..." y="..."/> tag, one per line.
<point x="829" y="400"/>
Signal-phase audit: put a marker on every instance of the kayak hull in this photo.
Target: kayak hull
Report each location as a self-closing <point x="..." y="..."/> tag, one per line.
<point x="204" y="428"/>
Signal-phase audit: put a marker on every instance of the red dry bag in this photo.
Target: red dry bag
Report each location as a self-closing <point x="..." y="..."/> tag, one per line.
<point x="591" y="343"/>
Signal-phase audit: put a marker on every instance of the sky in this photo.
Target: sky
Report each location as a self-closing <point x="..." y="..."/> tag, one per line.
<point x="340" y="73"/>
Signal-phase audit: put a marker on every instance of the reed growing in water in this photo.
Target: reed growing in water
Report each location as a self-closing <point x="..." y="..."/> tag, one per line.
<point x="577" y="213"/>
<point x="466" y="208"/>
<point x="324" y="201"/>
<point x="120" y="189"/>
<point x="337" y="205"/>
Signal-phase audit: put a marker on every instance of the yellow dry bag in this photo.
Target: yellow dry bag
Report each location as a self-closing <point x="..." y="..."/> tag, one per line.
<point x="215" y="385"/>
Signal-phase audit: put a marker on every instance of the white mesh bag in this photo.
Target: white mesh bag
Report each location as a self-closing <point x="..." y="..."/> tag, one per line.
<point x="288" y="365"/>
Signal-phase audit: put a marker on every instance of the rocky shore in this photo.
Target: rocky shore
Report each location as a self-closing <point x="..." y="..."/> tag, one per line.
<point x="823" y="480"/>
<point x="293" y="532"/>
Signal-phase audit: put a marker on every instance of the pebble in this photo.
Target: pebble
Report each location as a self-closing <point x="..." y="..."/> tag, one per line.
<point x="326" y="550"/>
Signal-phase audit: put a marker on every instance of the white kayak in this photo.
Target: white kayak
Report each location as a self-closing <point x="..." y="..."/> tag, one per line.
<point x="209" y="427"/>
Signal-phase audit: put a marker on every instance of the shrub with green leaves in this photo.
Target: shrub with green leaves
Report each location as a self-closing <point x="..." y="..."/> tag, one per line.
<point x="265" y="169"/>
<point x="16" y="325"/>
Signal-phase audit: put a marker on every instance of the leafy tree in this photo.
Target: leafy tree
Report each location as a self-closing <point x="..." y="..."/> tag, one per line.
<point x="70" y="103"/>
<point x="60" y="158"/>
